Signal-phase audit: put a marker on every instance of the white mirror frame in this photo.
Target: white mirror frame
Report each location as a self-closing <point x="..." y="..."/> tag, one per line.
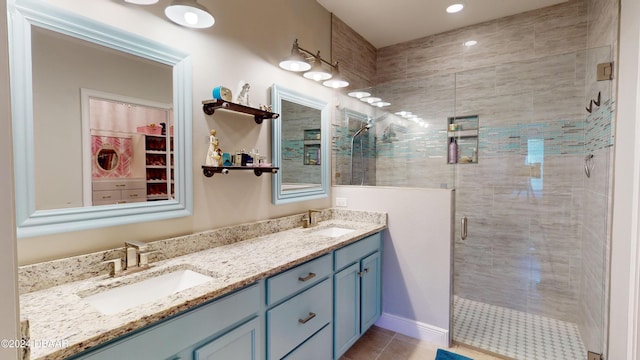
<point x="31" y="222"/>
<point x="279" y="93"/>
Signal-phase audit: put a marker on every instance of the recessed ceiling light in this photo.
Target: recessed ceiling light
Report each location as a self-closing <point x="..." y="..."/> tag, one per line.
<point x="451" y="9"/>
<point x="470" y="43"/>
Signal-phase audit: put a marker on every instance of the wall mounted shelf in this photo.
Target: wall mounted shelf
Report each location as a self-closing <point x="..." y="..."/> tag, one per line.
<point x="209" y="171"/>
<point x="210" y="106"/>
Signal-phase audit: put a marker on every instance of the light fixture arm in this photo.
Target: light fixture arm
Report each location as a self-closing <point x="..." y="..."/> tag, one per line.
<point x="309" y="55"/>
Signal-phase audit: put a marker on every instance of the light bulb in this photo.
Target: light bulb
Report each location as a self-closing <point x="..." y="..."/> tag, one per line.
<point x="191" y="17"/>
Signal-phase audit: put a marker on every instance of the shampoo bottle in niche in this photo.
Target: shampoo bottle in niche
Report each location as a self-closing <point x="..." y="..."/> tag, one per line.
<point x="453" y="151"/>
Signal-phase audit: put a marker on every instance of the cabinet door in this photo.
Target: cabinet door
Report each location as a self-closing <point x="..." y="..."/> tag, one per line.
<point x="347" y="308"/>
<point x="370" y="291"/>
<point x="238" y="344"/>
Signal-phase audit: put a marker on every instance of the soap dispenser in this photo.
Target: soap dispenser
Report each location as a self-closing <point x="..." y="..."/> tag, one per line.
<point x="453" y="151"/>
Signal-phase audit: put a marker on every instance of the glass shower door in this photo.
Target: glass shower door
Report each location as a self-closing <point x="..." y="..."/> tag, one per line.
<point x="533" y="264"/>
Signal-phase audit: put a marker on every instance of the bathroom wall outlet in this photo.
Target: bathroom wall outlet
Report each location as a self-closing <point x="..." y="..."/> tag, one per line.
<point x="340" y="201"/>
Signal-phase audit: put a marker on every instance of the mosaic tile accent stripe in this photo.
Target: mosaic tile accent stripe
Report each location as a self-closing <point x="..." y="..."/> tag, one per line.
<point x="514" y="333"/>
<point x="599" y="131"/>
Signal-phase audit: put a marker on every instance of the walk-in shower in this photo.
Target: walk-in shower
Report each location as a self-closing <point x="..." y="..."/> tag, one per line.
<point x="531" y="279"/>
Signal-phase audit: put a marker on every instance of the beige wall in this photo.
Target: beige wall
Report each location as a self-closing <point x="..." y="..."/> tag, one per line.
<point x="8" y="269"/>
<point x="242" y="45"/>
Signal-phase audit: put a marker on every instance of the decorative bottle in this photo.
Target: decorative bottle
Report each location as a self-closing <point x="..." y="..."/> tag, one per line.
<point x="453" y="151"/>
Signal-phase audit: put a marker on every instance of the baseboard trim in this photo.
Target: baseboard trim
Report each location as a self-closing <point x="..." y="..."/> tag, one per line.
<point x="414" y="329"/>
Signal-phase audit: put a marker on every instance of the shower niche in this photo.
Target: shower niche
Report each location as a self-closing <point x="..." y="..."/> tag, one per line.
<point x="463" y="131"/>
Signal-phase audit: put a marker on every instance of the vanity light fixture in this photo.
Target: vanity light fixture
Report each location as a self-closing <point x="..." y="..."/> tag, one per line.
<point x="317" y="72"/>
<point x="381" y="103"/>
<point x="302" y="60"/>
<point x="371" y="99"/>
<point x="454" y="8"/>
<point x="359" y="94"/>
<point x="189" y="13"/>
<point x="141" y="2"/>
<point x="365" y="96"/>
<point x="296" y="61"/>
<point x="336" y="81"/>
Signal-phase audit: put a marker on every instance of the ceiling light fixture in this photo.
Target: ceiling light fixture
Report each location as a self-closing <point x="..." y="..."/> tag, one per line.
<point x="189" y="13"/>
<point x="470" y="43"/>
<point x="301" y="60"/>
<point x="454" y="8"/>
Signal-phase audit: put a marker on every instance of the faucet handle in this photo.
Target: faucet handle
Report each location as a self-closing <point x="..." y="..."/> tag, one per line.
<point x="136" y="244"/>
<point x="144" y="257"/>
<point x="116" y="268"/>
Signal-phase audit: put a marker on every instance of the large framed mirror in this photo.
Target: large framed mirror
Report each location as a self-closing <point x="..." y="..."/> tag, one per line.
<point x="54" y="55"/>
<point x="300" y="146"/>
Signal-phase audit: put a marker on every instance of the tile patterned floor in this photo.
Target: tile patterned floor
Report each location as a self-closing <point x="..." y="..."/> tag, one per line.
<point x="515" y="334"/>
<point x="382" y="344"/>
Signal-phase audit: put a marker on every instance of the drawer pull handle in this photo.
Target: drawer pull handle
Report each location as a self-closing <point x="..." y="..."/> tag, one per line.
<point x="133" y="195"/>
<point x="121" y="185"/>
<point x="305" y="320"/>
<point x="106" y="197"/>
<point x="308" y="277"/>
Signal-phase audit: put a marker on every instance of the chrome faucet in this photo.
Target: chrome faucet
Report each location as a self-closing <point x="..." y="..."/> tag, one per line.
<point x="309" y="220"/>
<point x="136" y="254"/>
<point x="136" y="258"/>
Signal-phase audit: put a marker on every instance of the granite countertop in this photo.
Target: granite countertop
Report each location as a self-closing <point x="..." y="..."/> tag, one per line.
<point x="60" y="315"/>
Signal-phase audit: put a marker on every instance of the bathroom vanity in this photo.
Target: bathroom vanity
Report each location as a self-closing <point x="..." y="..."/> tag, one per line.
<point x="287" y="294"/>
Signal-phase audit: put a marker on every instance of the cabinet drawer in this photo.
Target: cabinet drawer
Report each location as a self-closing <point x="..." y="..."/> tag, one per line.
<point x="168" y="337"/>
<point x="134" y="195"/>
<point x="318" y="347"/>
<point x="295" y="320"/>
<point x="354" y="252"/>
<point x="298" y="278"/>
<point x="110" y="196"/>
<point x="118" y="184"/>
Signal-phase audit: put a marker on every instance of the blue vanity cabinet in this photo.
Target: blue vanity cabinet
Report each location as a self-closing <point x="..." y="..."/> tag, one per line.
<point x="300" y="312"/>
<point x="228" y="325"/>
<point x="357" y="289"/>
<point x="238" y="344"/>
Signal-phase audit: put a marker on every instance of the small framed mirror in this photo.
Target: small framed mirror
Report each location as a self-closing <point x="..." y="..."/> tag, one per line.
<point x="107" y="158"/>
<point x="300" y="146"/>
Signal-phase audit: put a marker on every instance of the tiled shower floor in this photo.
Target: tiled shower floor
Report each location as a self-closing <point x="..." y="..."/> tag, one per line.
<point x="515" y="334"/>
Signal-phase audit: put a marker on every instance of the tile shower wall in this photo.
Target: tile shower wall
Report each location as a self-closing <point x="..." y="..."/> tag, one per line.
<point x="538" y="227"/>
<point x="363" y="161"/>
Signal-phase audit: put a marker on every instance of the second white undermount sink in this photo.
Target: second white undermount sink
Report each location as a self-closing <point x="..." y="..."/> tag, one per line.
<point x="333" y="231"/>
<point x="125" y="297"/>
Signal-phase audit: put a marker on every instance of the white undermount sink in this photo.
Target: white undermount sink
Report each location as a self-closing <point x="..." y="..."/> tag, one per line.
<point x="125" y="297"/>
<point x="332" y="231"/>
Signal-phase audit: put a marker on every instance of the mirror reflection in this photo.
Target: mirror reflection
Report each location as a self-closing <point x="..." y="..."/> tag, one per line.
<point x="62" y="65"/>
<point x="107" y="158"/>
<point x="142" y="137"/>
<point x="300" y="146"/>
<point x="301" y="157"/>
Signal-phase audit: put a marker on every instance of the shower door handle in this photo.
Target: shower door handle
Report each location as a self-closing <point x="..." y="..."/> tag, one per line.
<point x="463" y="228"/>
